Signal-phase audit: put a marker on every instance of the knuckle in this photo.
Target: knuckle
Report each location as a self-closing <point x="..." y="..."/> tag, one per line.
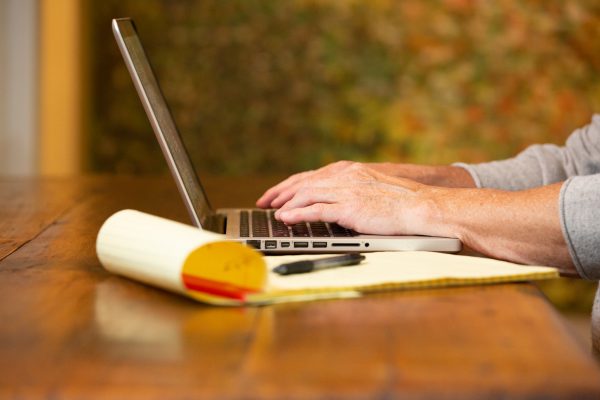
<point x="355" y="166"/>
<point x="303" y="193"/>
<point x="298" y="177"/>
<point x="318" y="210"/>
<point x="359" y="170"/>
<point x="345" y="216"/>
<point x="340" y="165"/>
<point x="281" y="196"/>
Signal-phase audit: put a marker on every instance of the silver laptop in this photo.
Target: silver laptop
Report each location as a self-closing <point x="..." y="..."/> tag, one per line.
<point x="255" y="227"/>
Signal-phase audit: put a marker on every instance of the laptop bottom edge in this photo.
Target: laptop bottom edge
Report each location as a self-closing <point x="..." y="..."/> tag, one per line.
<point x="358" y="243"/>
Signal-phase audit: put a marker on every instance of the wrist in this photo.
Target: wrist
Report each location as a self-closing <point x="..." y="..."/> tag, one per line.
<point x="450" y="176"/>
<point x="436" y="175"/>
<point x="440" y="210"/>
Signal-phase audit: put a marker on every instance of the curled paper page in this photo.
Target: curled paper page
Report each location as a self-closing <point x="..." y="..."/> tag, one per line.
<point x="179" y="258"/>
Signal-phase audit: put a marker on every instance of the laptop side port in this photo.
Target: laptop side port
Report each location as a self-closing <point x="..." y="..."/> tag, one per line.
<point x="270" y="244"/>
<point x="253" y="243"/>
<point x="285" y="244"/>
<point x="300" y="244"/>
<point x="319" y="245"/>
<point x="341" y="244"/>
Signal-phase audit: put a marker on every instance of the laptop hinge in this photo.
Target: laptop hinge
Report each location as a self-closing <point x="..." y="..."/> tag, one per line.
<point x="216" y="223"/>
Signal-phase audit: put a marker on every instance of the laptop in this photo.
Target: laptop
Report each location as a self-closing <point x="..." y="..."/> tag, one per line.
<point x="255" y="227"/>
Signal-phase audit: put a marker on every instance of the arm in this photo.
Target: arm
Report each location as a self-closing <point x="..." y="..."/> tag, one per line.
<point x="523" y="226"/>
<point x="482" y="214"/>
<point x="517" y="226"/>
<point x="578" y="164"/>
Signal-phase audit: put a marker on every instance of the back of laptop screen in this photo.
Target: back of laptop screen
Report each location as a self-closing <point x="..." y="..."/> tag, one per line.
<point x="162" y="122"/>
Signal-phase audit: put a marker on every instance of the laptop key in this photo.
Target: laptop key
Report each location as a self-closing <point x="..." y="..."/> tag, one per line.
<point x="244" y="225"/>
<point x="259" y="224"/>
<point x="319" y="229"/>
<point x="300" y="230"/>
<point x="339" y="231"/>
<point x="278" y="228"/>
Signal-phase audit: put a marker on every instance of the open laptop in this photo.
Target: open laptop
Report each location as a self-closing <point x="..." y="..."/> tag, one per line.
<point x="254" y="227"/>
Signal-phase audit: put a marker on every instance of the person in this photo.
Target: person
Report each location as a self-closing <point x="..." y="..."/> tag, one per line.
<point x="540" y="207"/>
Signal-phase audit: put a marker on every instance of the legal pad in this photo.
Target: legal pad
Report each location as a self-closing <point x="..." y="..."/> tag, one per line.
<point x="205" y="267"/>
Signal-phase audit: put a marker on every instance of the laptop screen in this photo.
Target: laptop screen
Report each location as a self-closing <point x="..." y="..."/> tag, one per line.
<point x="162" y="122"/>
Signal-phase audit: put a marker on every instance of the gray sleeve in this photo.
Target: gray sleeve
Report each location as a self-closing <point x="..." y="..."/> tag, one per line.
<point x="543" y="164"/>
<point x="579" y="206"/>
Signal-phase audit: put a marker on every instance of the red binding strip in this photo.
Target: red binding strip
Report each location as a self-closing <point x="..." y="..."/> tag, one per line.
<point x="217" y="288"/>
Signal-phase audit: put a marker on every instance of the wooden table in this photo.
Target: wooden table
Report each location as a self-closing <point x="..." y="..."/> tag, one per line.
<point x="69" y="329"/>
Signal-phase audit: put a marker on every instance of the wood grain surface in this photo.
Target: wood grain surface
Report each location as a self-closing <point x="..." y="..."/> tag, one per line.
<point x="69" y="329"/>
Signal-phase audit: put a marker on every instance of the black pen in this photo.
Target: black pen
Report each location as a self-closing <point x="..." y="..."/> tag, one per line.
<point x="300" y="267"/>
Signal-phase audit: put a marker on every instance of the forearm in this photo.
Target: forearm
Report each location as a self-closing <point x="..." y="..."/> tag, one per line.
<point x="521" y="226"/>
<point x="438" y="175"/>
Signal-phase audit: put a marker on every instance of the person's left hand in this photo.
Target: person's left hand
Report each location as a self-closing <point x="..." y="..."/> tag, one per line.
<point x="361" y="199"/>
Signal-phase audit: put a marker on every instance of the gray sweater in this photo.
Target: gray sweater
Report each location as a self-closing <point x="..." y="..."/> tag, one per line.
<point x="578" y="165"/>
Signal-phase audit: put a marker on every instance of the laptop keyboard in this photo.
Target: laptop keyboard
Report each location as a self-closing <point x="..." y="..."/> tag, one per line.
<point x="262" y="223"/>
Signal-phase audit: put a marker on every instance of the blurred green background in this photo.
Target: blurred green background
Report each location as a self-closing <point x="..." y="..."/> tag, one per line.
<point x="285" y="85"/>
<point x="278" y="86"/>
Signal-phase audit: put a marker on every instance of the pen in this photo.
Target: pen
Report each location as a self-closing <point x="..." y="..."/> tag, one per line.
<point x="300" y="267"/>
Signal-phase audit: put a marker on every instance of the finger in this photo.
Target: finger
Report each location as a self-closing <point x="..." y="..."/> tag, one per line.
<point x="306" y="197"/>
<point x="314" y="212"/>
<point x="285" y="196"/>
<point x="280" y="194"/>
<point x="315" y="180"/>
<point x="267" y="198"/>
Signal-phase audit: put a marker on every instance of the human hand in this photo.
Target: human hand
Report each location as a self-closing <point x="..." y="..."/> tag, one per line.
<point x="356" y="197"/>
<point x="279" y="194"/>
<point x="448" y="176"/>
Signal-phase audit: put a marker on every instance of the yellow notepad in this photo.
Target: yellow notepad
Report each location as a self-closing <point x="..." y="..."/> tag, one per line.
<point x="203" y="266"/>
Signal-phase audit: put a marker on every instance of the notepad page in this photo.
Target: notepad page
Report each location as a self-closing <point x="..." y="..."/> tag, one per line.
<point x="404" y="268"/>
<point x="149" y="248"/>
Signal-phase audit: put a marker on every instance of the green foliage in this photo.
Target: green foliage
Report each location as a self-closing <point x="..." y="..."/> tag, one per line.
<point x="285" y="85"/>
